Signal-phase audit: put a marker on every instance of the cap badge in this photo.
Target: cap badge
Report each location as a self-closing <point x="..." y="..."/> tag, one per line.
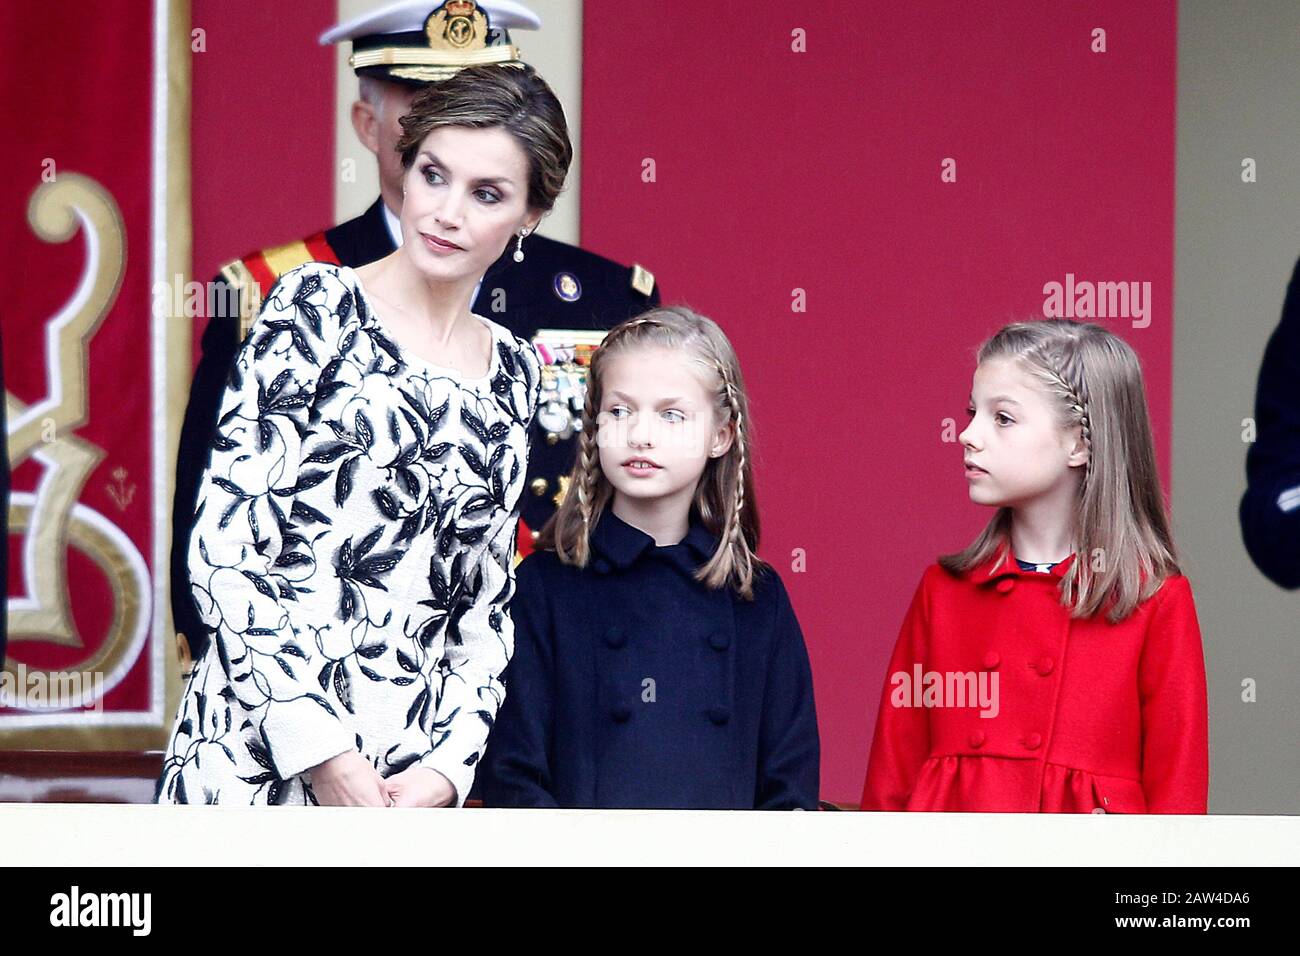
<point x="455" y="25"/>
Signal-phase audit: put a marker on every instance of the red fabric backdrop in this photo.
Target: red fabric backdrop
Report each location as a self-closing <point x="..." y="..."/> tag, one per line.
<point x="775" y="170"/>
<point x="820" y="170"/>
<point x="263" y="128"/>
<point x="262" y="173"/>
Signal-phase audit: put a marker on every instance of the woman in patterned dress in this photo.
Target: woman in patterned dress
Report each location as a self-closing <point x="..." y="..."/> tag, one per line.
<point x="355" y="529"/>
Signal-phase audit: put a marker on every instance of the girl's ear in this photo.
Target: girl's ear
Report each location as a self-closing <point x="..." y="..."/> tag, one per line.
<point x="722" y="440"/>
<point x="1079" y="451"/>
<point x="533" y="220"/>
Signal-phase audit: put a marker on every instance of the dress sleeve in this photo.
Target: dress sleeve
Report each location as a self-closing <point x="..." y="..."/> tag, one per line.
<point x="789" y="749"/>
<point x="1171" y="687"/>
<point x="902" y="738"/>
<point x="516" y="771"/>
<point x="474" y="658"/>
<point x="241" y="570"/>
<point x="480" y="644"/>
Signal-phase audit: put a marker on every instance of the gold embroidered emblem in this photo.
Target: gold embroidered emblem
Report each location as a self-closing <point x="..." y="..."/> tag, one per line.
<point x="456" y="25"/>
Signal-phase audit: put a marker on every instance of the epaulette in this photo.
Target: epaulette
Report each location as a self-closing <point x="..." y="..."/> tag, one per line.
<point x="255" y="275"/>
<point x="643" y="280"/>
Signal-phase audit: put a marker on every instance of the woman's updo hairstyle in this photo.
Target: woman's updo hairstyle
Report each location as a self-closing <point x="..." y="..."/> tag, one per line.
<point x="513" y="98"/>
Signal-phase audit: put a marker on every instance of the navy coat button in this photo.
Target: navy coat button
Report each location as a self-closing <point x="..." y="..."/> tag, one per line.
<point x="601" y="565"/>
<point x="719" y="640"/>
<point x="615" y="637"/>
<point x="991" y="660"/>
<point x="719" y="715"/>
<point x="620" y="713"/>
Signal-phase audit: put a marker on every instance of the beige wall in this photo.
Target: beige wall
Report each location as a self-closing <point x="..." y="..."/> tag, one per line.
<point x="555" y="50"/>
<point x="1235" y="247"/>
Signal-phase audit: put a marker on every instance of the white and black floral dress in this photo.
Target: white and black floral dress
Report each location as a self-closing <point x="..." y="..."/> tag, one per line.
<point x="353" y="552"/>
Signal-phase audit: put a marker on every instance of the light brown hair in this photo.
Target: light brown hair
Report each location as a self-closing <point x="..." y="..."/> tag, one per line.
<point x="513" y="98"/>
<point x="1094" y="380"/>
<point x="724" y="495"/>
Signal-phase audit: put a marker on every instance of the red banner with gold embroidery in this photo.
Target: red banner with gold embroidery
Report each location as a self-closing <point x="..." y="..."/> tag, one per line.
<point x="94" y="205"/>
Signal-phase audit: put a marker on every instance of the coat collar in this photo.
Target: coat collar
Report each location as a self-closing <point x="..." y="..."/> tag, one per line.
<point x="620" y="544"/>
<point x="1004" y="565"/>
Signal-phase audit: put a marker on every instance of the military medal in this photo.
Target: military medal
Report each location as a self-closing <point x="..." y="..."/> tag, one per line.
<point x="566" y="354"/>
<point x="553" y="416"/>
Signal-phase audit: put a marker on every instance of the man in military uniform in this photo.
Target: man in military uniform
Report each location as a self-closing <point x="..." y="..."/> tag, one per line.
<point x="556" y="287"/>
<point x="1270" y="508"/>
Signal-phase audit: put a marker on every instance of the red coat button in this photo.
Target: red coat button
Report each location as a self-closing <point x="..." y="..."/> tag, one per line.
<point x="1032" y="741"/>
<point x="976" y="738"/>
<point x="991" y="660"/>
<point x="1045" y="665"/>
<point x="1006" y="584"/>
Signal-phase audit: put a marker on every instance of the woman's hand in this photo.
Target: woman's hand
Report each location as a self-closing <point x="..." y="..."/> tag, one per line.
<point x="348" y="780"/>
<point x="420" y="787"/>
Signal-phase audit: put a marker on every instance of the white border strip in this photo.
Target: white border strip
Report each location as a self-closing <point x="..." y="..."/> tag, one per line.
<point x="126" y="835"/>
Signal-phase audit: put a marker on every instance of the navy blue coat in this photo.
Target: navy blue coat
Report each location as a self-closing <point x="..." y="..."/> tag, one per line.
<point x="633" y="685"/>
<point x="1270" y="508"/>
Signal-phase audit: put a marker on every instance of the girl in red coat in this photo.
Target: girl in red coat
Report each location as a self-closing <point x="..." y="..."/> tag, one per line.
<point x="1054" y="665"/>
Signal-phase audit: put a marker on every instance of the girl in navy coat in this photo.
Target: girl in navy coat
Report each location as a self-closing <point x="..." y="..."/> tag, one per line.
<point x="658" y="662"/>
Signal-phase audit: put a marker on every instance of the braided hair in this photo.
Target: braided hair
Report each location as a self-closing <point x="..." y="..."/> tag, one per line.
<point x="1123" y="544"/>
<point x="724" y="496"/>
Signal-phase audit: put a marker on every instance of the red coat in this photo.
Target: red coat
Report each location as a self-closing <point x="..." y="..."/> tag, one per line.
<point x="1089" y="715"/>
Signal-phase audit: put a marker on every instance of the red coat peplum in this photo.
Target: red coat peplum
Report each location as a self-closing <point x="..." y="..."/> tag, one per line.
<point x="1077" y="716"/>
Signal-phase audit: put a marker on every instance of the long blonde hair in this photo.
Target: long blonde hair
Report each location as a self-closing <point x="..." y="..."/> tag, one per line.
<point x="1095" y="382"/>
<point x="724" y="495"/>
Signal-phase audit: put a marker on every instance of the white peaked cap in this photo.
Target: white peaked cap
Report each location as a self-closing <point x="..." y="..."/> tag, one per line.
<point x="409" y="15"/>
